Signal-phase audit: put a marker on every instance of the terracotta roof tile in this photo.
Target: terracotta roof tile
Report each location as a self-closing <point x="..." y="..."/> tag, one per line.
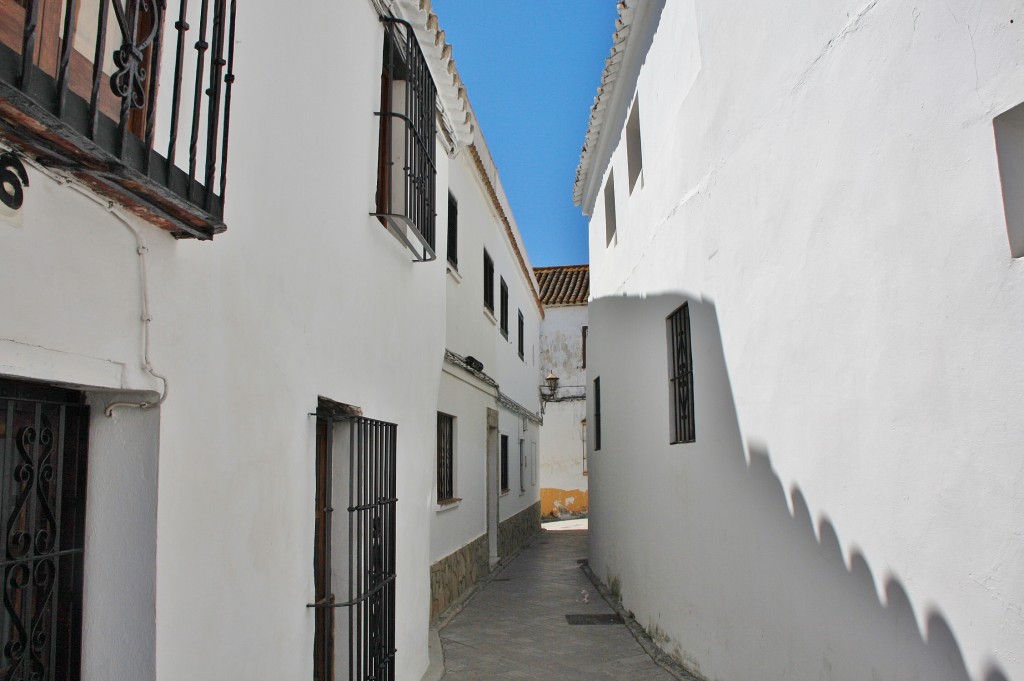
<point x="564" y="284"/>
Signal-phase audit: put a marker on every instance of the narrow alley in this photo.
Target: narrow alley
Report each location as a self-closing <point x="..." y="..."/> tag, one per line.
<point x="516" y="626"/>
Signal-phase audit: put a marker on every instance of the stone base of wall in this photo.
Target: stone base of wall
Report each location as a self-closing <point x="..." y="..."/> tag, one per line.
<point x="518" y="529"/>
<point x="451" y="576"/>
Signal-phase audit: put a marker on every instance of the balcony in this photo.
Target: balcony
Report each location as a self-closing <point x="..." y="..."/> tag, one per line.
<point x="85" y="90"/>
<point x="406" y="172"/>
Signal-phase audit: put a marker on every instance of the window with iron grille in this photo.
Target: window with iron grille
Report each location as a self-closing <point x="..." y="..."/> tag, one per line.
<point x="680" y="379"/>
<point x="597" y="413"/>
<point x="504" y="308"/>
<point x="355" y="592"/>
<point x="504" y="463"/>
<point x="453" y="231"/>
<point x="43" y="443"/>
<point x="522" y="325"/>
<point x="488" y="282"/>
<point x="445" y="457"/>
<point x="406" y="173"/>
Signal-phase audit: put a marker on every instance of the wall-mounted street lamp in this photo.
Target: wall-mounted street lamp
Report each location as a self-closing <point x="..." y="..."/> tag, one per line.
<point x="548" y="390"/>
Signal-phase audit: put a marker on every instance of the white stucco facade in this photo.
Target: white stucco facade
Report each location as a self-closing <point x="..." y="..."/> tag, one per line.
<point x="200" y="516"/>
<point x="820" y="185"/>
<point x="563" y="466"/>
<point x="507" y="383"/>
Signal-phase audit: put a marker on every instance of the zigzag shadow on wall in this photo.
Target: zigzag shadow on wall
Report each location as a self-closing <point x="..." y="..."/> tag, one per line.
<point x="752" y="573"/>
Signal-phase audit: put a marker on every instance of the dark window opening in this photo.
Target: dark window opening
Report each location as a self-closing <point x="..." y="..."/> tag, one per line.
<point x="634" y="155"/>
<point x="609" y="210"/>
<point x="504" y="463"/>
<point x="445" y="457"/>
<point x="504" y="308"/>
<point x="488" y="283"/>
<point x="522" y="329"/>
<point x="522" y="466"/>
<point x="43" y="457"/>
<point x="453" y="231"/>
<point x="597" y="413"/>
<point x="680" y="375"/>
<point x="585" y="347"/>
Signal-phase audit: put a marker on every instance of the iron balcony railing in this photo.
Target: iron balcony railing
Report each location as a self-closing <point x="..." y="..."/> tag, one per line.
<point x="406" y="171"/>
<point x="85" y="88"/>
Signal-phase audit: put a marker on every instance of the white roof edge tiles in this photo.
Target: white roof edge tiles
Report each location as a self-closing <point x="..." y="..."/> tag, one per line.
<point x="458" y="112"/>
<point x="609" y="96"/>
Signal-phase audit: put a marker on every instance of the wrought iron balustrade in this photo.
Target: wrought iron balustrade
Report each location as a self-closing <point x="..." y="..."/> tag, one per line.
<point x="406" y="178"/>
<point x="84" y="89"/>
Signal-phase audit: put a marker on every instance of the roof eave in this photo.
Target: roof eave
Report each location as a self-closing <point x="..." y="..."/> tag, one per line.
<point x="632" y="38"/>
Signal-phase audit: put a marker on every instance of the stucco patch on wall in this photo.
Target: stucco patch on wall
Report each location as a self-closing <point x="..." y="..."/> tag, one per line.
<point x="556" y="502"/>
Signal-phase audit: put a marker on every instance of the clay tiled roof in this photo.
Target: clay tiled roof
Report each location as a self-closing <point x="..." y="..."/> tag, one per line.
<point x="564" y="284"/>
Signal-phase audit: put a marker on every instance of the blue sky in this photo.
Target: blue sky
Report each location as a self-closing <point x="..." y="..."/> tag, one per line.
<point x="531" y="69"/>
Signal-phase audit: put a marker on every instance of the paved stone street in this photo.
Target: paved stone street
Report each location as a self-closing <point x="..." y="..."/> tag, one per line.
<point x="515" y="626"/>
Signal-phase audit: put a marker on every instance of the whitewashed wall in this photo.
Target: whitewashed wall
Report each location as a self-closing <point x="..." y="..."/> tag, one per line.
<point x="821" y="183"/>
<point x="562" y="436"/>
<point x="472" y="331"/>
<point x="305" y="295"/>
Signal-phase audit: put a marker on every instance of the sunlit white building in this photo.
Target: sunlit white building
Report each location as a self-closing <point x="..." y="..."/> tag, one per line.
<point x="219" y="460"/>
<point x="564" y="290"/>
<point x="803" y="360"/>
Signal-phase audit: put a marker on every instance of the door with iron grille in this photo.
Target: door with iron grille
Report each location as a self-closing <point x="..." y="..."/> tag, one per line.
<point x="356" y="459"/>
<point x="43" y="435"/>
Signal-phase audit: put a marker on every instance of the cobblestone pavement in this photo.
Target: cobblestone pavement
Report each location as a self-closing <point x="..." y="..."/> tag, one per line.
<point x="515" y="626"/>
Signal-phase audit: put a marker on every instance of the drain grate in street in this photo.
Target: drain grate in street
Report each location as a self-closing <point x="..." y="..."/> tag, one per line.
<point x="609" y="618"/>
<point x="502" y="579"/>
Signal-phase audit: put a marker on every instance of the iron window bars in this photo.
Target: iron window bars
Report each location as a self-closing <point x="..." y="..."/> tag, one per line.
<point x="680" y="375"/>
<point x="488" y="282"/>
<point x="93" y="112"/>
<point x="43" y="434"/>
<point x="371" y="545"/>
<point x="453" y="231"/>
<point x="445" y="457"/>
<point x="406" y="170"/>
<point x="504" y="308"/>
<point x="504" y="463"/>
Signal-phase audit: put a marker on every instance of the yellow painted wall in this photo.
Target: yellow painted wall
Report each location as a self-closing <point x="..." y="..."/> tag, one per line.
<point x="552" y="500"/>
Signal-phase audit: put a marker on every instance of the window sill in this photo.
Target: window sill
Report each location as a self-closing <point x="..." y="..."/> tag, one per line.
<point x="504" y="493"/>
<point x="454" y="274"/>
<point x="448" y="504"/>
<point x="490" y="316"/>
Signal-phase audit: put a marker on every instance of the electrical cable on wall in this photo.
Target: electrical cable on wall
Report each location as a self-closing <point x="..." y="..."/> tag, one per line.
<point x="146" y="317"/>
